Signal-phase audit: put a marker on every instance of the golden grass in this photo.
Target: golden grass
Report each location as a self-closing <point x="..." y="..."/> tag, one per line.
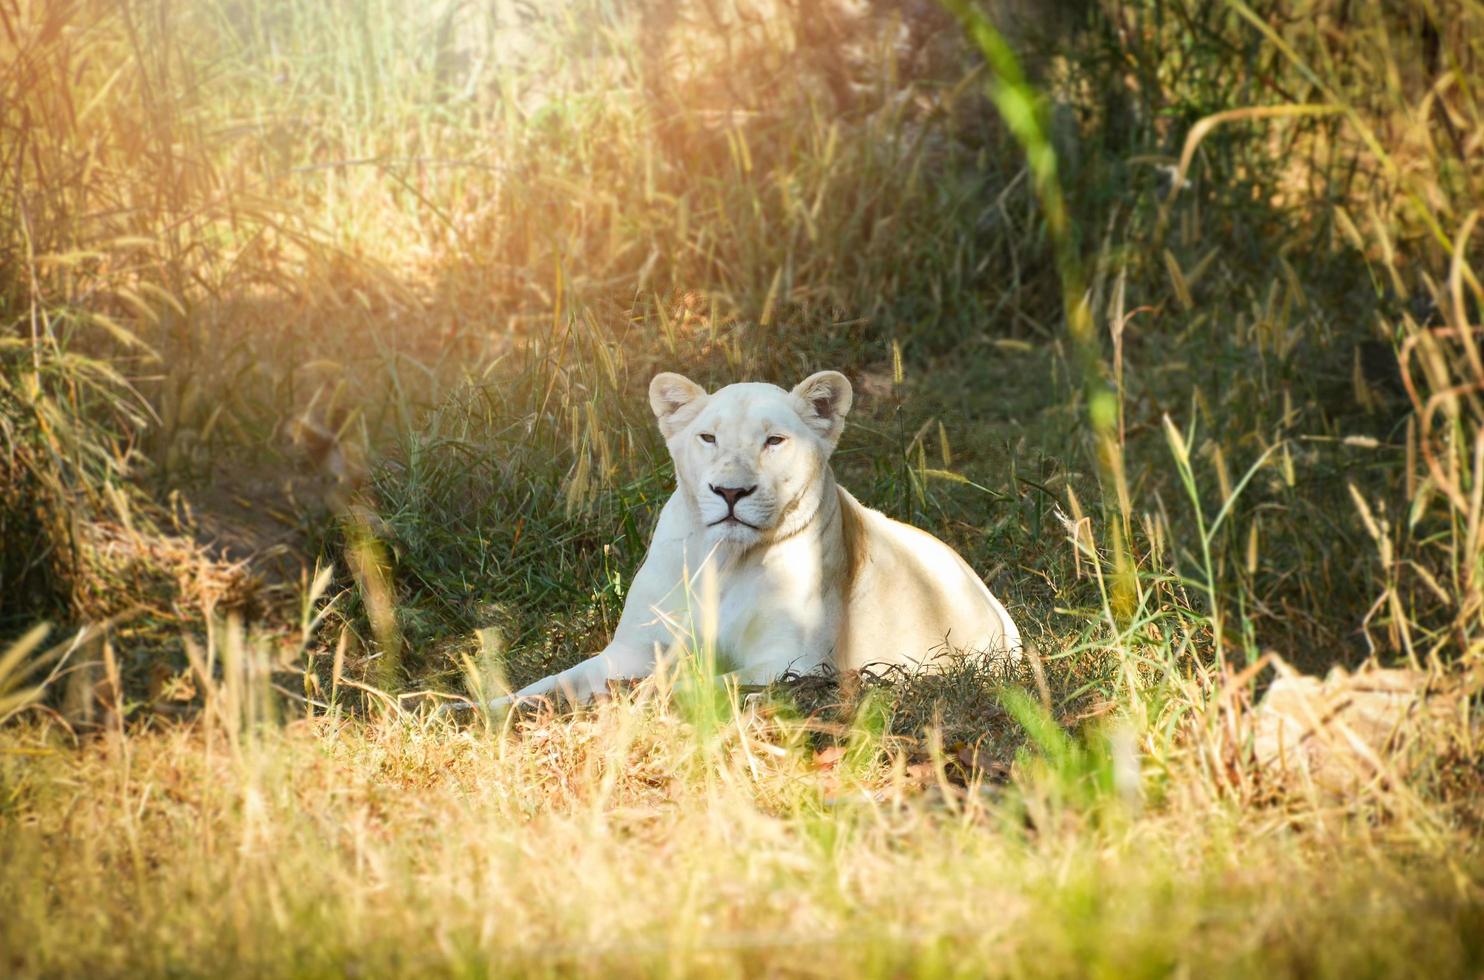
<point x="618" y="843"/>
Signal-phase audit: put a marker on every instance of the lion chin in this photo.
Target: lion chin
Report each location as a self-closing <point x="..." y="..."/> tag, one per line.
<point x="734" y="532"/>
<point x="760" y="547"/>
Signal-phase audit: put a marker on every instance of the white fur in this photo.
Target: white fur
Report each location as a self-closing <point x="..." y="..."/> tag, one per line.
<point x="780" y="579"/>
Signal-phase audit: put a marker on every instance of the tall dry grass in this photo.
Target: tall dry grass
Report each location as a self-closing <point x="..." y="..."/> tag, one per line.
<point x="639" y="837"/>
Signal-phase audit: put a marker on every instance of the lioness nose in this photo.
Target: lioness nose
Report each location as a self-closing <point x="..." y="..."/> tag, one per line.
<point x="732" y="494"/>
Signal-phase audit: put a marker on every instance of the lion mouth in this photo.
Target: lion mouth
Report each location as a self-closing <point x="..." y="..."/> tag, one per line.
<point x="733" y="519"/>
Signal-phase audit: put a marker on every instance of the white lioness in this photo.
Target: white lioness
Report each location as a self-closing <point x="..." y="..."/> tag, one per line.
<point x="806" y="577"/>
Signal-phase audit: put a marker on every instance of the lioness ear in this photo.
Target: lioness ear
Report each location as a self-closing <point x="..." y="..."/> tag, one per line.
<point x="675" y="400"/>
<point x="824" y="401"/>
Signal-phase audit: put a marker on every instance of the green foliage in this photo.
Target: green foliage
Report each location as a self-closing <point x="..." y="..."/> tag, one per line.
<point x="63" y="462"/>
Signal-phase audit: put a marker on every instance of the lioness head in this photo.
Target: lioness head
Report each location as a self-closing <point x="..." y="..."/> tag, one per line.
<point x="752" y="459"/>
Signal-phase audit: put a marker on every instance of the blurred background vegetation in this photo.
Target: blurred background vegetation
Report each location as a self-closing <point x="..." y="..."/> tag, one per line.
<point x="378" y="285"/>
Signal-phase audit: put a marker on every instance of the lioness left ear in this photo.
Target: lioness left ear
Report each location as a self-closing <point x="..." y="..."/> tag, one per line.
<point x="824" y="400"/>
<point x="675" y="400"/>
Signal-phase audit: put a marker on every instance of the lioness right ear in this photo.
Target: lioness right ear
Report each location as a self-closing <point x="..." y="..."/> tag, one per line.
<point x="675" y="400"/>
<point x="824" y="399"/>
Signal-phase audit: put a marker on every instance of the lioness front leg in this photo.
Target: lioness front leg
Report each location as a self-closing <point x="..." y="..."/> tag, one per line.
<point x="589" y="678"/>
<point x="578" y="683"/>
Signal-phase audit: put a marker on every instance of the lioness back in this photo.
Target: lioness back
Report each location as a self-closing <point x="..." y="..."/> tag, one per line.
<point x="910" y="595"/>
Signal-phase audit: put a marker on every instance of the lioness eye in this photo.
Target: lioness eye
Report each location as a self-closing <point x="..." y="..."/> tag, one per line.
<point x="707" y="437"/>
<point x="773" y="441"/>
